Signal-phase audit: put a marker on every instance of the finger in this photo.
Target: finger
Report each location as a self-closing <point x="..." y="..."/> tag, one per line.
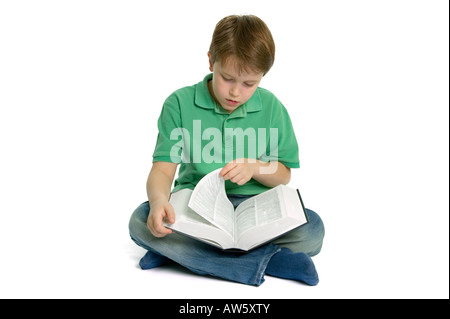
<point x="161" y="229"/>
<point x="227" y="168"/>
<point x="238" y="178"/>
<point x="157" y="228"/>
<point x="170" y="213"/>
<point x="234" y="175"/>
<point x="242" y="181"/>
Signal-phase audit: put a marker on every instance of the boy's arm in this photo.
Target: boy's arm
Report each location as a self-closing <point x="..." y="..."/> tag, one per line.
<point x="271" y="174"/>
<point x="159" y="185"/>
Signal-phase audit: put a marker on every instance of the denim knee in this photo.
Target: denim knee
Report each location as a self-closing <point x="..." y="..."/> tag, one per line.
<point x="317" y="231"/>
<point x="307" y="238"/>
<point x="137" y="225"/>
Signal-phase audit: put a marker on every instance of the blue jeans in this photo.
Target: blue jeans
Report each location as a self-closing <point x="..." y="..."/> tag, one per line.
<point x="248" y="268"/>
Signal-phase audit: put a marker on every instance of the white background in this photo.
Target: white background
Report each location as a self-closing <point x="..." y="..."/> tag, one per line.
<point x="82" y="84"/>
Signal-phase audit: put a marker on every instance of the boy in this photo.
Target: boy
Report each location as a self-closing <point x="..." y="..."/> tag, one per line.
<point x="226" y="105"/>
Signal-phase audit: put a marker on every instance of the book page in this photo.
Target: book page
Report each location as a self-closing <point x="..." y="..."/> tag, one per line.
<point x="272" y="213"/>
<point x="193" y="217"/>
<point x="193" y="225"/>
<point x="268" y="207"/>
<point x="210" y="201"/>
<point x="259" y="210"/>
<point x="246" y="216"/>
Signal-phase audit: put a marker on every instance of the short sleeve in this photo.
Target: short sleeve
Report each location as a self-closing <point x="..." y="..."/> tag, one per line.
<point x="286" y="149"/>
<point x="169" y="141"/>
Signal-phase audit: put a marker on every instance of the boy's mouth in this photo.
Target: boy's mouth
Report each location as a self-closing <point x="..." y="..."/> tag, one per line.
<point x="232" y="102"/>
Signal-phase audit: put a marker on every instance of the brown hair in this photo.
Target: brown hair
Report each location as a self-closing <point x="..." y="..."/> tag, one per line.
<point x="246" y="38"/>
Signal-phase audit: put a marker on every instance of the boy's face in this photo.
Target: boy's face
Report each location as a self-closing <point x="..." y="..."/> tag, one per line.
<point x="229" y="87"/>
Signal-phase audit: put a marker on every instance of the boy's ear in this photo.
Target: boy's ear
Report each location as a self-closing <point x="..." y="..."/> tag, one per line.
<point x="210" y="62"/>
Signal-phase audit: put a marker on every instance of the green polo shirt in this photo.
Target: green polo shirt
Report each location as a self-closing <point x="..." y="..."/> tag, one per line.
<point x="201" y="136"/>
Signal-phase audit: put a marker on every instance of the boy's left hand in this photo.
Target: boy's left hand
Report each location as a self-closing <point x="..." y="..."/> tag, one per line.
<point x="239" y="171"/>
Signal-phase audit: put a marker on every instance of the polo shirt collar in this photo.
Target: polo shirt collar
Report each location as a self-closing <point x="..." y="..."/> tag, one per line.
<point x="204" y="100"/>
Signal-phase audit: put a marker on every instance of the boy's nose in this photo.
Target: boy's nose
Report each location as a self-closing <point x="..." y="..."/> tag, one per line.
<point x="234" y="91"/>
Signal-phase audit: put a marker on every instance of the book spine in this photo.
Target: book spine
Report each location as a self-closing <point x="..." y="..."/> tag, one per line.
<point x="303" y="206"/>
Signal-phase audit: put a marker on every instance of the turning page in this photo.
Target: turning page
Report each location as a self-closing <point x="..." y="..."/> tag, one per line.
<point x="211" y="202"/>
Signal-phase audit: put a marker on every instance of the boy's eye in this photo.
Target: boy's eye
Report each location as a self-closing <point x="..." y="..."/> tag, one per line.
<point x="227" y="79"/>
<point x="249" y="84"/>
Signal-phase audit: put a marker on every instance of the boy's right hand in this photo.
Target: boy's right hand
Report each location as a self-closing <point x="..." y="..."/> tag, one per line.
<point x="160" y="212"/>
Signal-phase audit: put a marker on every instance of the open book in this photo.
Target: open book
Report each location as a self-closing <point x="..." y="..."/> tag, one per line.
<point x="207" y="214"/>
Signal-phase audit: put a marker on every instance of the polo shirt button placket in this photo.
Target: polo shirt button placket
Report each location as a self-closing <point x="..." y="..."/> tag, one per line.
<point x="228" y="142"/>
